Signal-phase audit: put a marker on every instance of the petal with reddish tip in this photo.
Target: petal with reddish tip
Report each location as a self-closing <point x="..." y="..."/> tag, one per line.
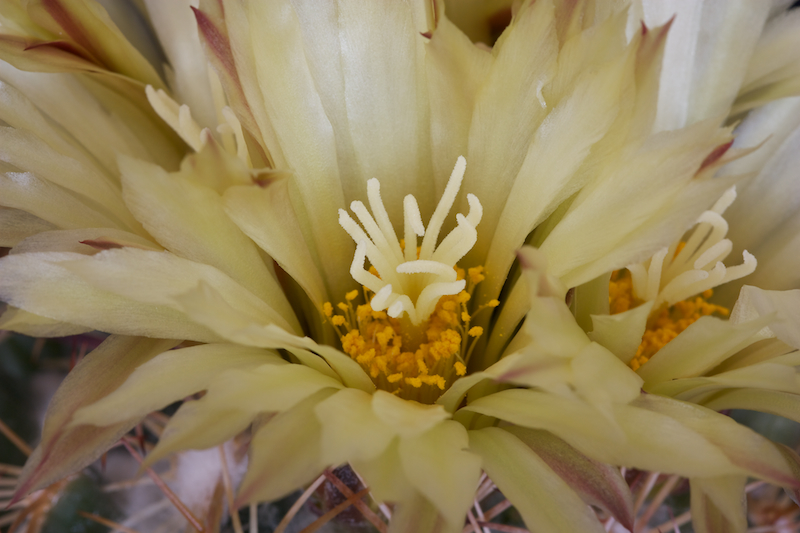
<point x="169" y="377"/>
<point x="745" y="449"/>
<point x="596" y="483"/>
<point x="718" y="504"/>
<point x="88" y="25"/>
<point x="775" y="402"/>
<point x="542" y="497"/>
<point x="794" y="463"/>
<point x="64" y="450"/>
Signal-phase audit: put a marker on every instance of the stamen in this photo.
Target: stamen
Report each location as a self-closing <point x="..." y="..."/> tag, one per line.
<point x="415" y="283"/>
<point x="445" y="204"/>
<point x="685" y="269"/>
<point x="664" y="323"/>
<point x="382" y="217"/>
<point x="376" y="339"/>
<point x="178" y="117"/>
<point x="238" y="134"/>
<point x="413" y="226"/>
<point x="421" y="266"/>
<point x="679" y="280"/>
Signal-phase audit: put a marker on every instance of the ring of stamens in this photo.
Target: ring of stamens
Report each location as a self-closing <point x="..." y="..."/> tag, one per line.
<point x="412" y="334"/>
<point x="680" y="280"/>
<point x="375" y="340"/>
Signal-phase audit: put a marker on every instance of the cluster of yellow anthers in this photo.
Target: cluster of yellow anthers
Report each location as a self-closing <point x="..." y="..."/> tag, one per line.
<point x="664" y="323"/>
<point x="376" y="341"/>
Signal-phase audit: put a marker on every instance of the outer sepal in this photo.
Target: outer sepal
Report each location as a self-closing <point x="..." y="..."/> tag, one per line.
<point x="596" y="483"/>
<point x="544" y="499"/>
<point x="64" y="449"/>
<point x="718" y="505"/>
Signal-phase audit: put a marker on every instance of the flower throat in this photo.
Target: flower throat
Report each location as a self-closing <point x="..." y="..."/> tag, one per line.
<point x="412" y="334"/>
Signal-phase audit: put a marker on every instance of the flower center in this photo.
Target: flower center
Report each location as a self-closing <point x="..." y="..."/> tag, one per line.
<point x="664" y="323"/>
<point x="692" y="266"/>
<point x="375" y="340"/>
<point x="679" y="280"/>
<point x="412" y="335"/>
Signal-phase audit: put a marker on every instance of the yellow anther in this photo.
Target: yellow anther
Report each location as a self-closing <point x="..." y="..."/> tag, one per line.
<point x="366" y="358"/>
<point x="449" y="305"/>
<point x="383" y="337"/>
<point x="363" y="311"/>
<point x="493" y="303"/>
<point x="375" y="341"/>
<point x="414" y="382"/>
<point x="434" y="380"/>
<point x="476" y="331"/>
<point x="664" y="323"/>
<point x="444" y="316"/>
<point x="476" y="274"/>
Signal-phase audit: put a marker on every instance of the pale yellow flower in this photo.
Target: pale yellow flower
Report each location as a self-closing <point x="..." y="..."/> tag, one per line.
<point x="227" y="210"/>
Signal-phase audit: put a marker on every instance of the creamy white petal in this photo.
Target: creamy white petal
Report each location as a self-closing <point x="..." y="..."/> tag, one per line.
<point x="159" y="277"/>
<point x="188" y="428"/>
<point x="63" y="451"/>
<point x="548" y="175"/>
<point x="285" y="454"/>
<point x="351" y="431"/>
<point x="189" y="220"/>
<point x="306" y="140"/>
<point x="39" y="283"/>
<point x="266" y="216"/>
<point x="169" y="377"/>
<point x="206" y="305"/>
<point x="508" y="110"/>
<point x="621" y="333"/>
<point x="85" y="241"/>
<point x="455" y="71"/>
<point x="718" y="504"/>
<point x="439" y="466"/>
<point x="383" y="74"/>
<point x="706" y="56"/>
<point x="29" y="153"/>
<point x="32" y="325"/>
<point x="50" y="202"/>
<point x="17" y="225"/>
<point x="176" y="28"/>
<point x="702" y="346"/>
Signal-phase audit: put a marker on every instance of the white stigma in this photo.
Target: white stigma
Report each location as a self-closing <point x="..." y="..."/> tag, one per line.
<point x="408" y="283"/>
<point x="670" y="277"/>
